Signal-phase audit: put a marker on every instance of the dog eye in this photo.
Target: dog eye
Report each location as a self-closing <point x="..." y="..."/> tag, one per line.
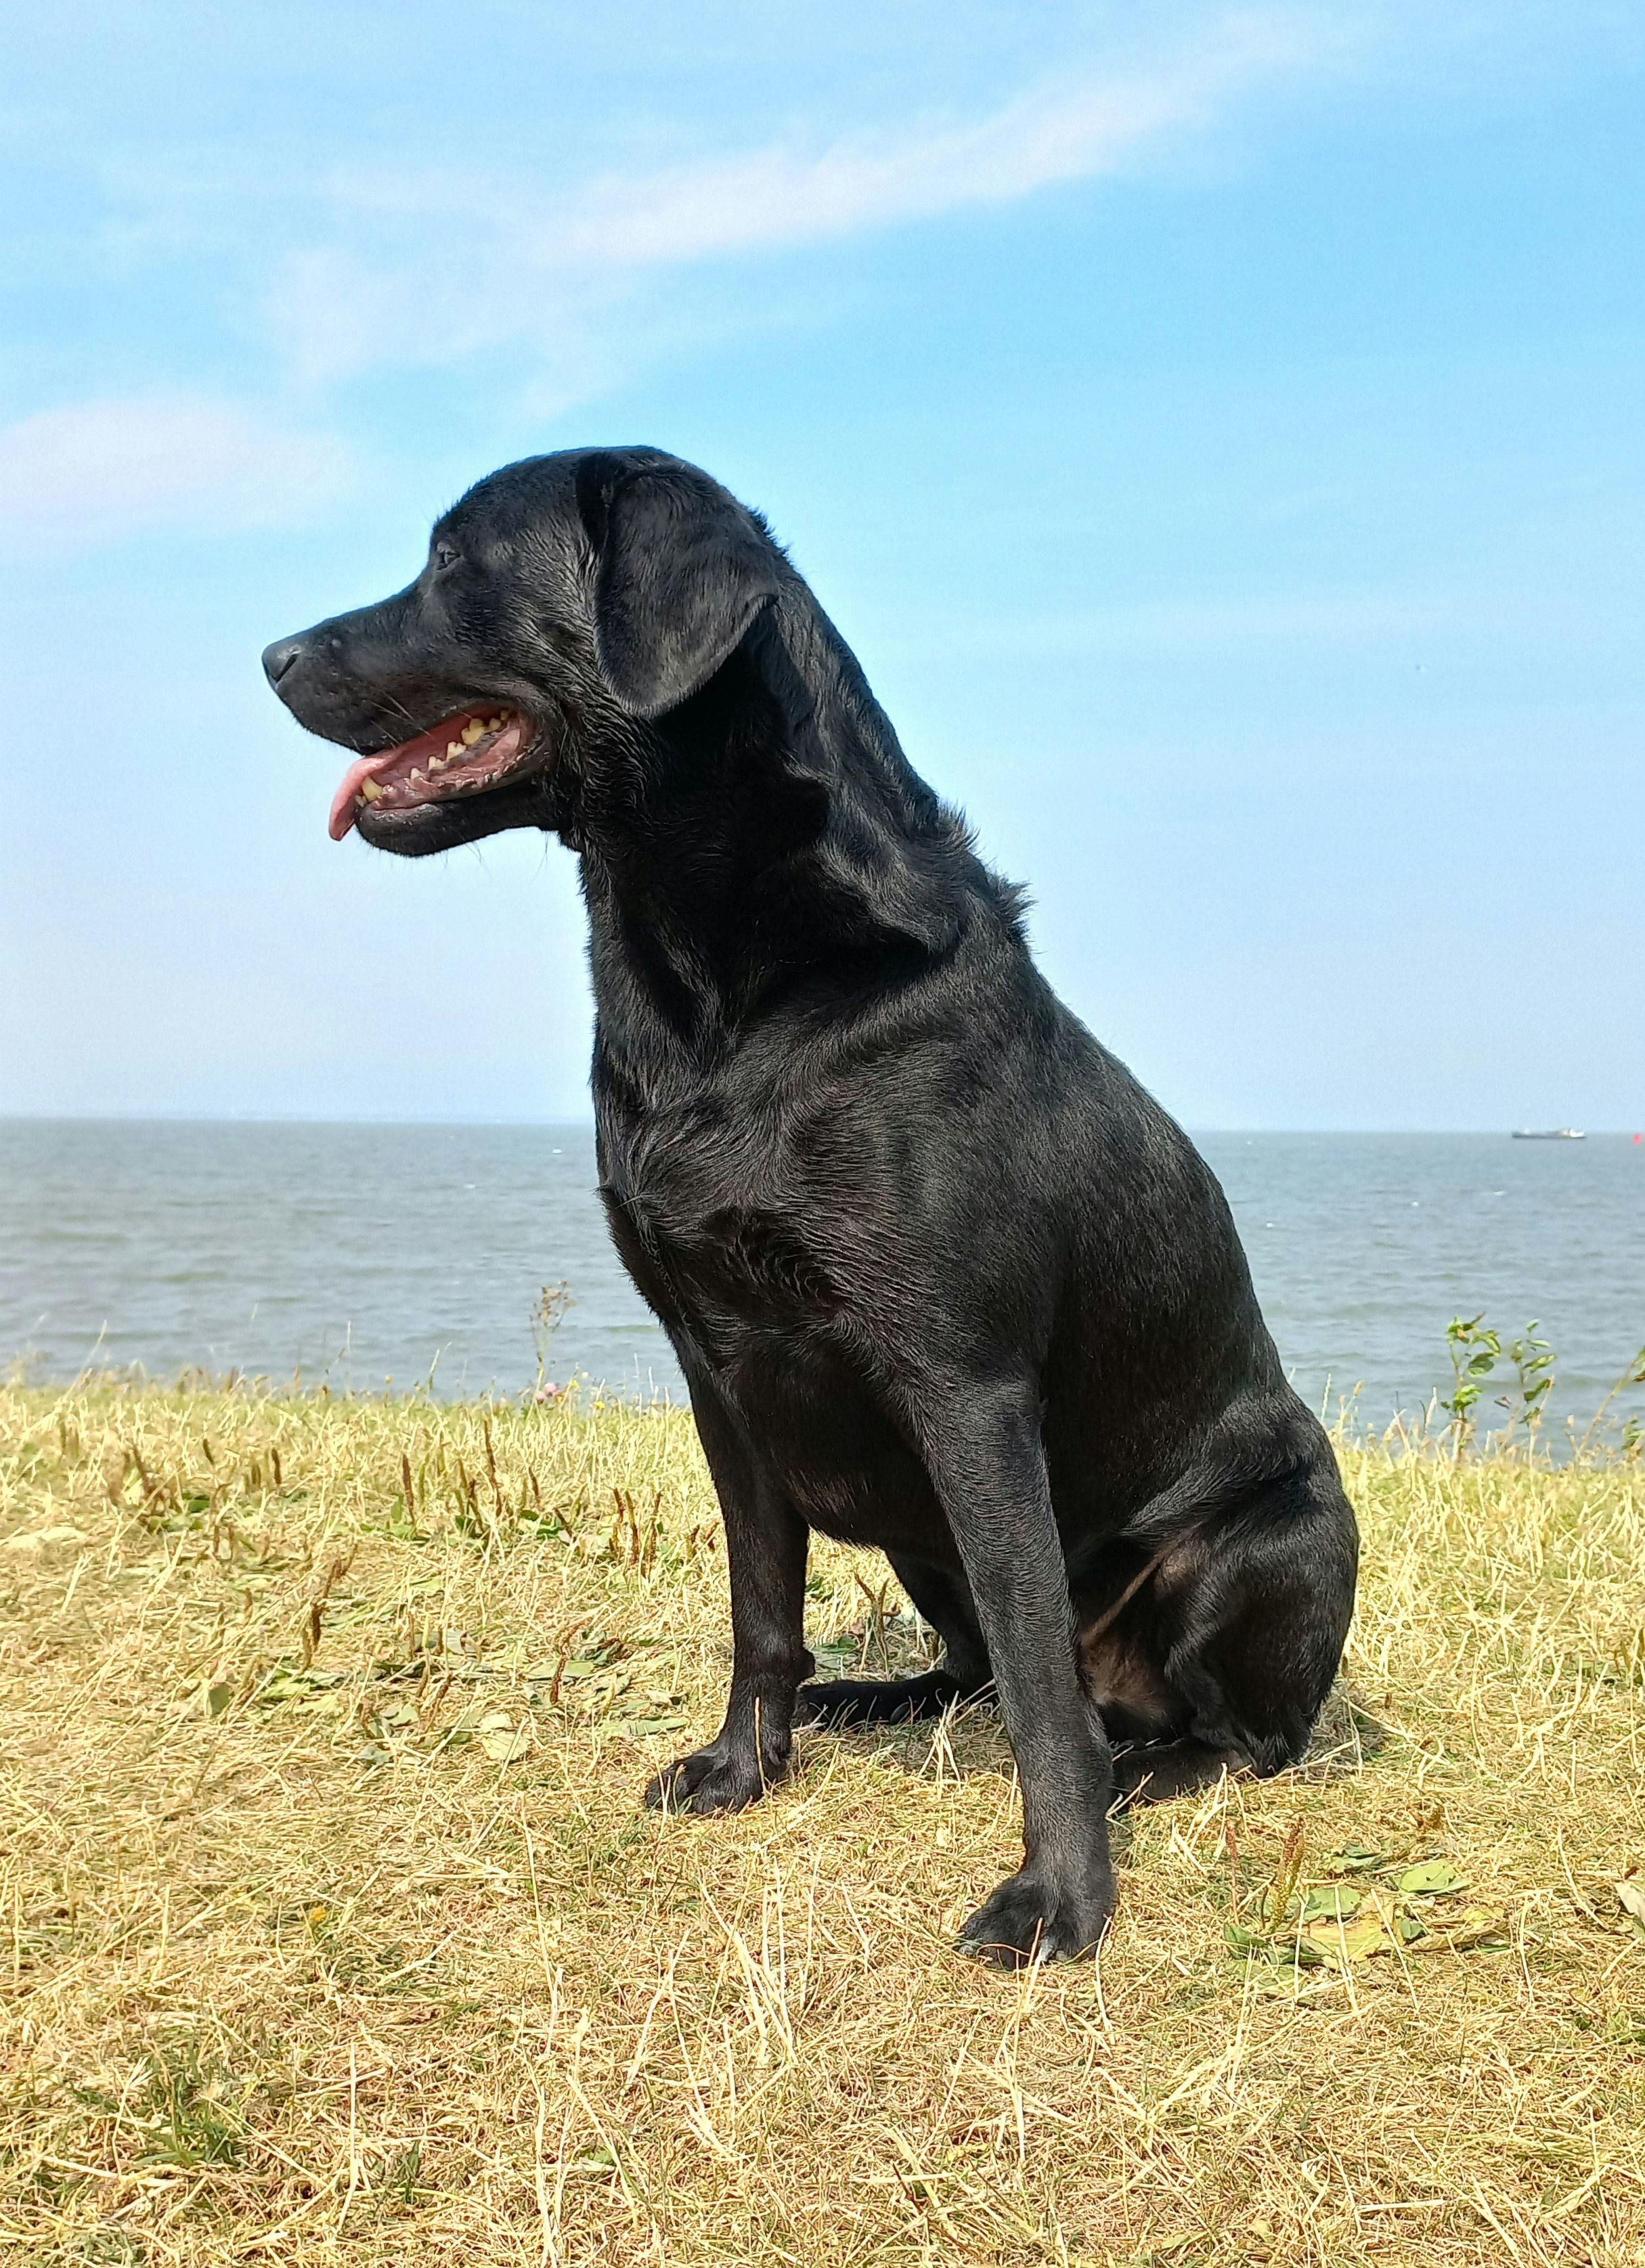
<point x="445" y="554"/>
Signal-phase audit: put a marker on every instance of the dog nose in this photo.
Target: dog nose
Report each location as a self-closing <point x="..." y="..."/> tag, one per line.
<point x="278" y="658"/>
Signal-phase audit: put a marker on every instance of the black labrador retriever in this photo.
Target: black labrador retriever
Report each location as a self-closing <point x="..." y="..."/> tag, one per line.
<point x="941" y="1278"/>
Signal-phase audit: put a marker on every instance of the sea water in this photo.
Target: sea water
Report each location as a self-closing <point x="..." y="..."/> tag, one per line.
<point x="405" y="1257"/>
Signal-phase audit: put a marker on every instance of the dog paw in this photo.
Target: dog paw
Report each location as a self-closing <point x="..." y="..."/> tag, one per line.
<point x="1030" y="1919"/>
<point x="706" y="1781"/>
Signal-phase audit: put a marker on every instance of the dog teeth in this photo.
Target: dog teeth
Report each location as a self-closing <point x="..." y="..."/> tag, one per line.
<point x="473" y="731"/>
<point x="369" y="791"/>
<point x="420" y="776"/>
<point x="453" y="748"/>
<point x="435" y="764"/>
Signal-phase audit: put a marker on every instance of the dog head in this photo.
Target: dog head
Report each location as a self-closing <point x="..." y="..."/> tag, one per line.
<point x="568" y="603"/>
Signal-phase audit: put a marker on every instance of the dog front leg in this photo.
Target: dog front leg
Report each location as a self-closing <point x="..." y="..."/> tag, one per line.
<point x="984" y="1453"/>
<point x="765" y="1549"/>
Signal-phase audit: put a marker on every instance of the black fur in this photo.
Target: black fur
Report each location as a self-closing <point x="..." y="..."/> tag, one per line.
<point x="942" y="1279"/>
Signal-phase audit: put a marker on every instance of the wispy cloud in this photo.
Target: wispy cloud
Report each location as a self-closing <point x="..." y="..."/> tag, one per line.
<point x="98" y="471"/>
<point x="782" y="197"/>
<point x="428" y="269"/>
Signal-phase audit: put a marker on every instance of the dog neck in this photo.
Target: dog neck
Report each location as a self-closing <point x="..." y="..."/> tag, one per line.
<point x="769" y="839"/>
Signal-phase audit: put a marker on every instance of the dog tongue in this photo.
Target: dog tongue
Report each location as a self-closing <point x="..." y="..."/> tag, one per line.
<point x="346" y="800"/>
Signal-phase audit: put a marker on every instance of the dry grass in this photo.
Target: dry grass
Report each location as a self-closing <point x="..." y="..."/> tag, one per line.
<point x="306" y="1960"/>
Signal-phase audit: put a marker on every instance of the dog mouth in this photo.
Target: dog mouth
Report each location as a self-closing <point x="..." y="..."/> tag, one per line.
<point x="475" y="750"/>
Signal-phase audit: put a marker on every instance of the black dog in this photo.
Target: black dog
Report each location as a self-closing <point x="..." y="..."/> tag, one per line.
<point x="942" y="1279"/>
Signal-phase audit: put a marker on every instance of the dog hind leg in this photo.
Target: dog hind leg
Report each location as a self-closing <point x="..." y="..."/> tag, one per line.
<point x="1246" y="1626"/>
<point x="945" y="1602"/>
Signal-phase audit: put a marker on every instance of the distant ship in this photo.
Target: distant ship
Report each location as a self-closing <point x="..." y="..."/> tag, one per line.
<point x="1549" y="1134"/>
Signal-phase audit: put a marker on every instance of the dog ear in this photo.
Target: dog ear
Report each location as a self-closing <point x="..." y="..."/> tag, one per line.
<point x="683" y="570"/>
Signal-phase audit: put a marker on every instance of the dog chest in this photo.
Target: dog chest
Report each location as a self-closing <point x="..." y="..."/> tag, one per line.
<point x="698" y="1260"/>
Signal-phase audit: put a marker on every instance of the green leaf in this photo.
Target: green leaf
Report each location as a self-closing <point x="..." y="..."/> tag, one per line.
<point x="1242" y="1940"/>
<point x="1354" y="1859"/>
<point x="1433" y="1878"/>
<point x="1332" y="1902"/>
<point x="1461" y="1932"/>
<point x="290" y="1683"/>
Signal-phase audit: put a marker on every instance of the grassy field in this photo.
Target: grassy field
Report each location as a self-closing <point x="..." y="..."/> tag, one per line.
<point x="332" y="1929"/>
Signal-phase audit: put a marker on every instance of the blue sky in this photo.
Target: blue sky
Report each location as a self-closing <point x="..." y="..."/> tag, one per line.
<point x="1219" y="431"/>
